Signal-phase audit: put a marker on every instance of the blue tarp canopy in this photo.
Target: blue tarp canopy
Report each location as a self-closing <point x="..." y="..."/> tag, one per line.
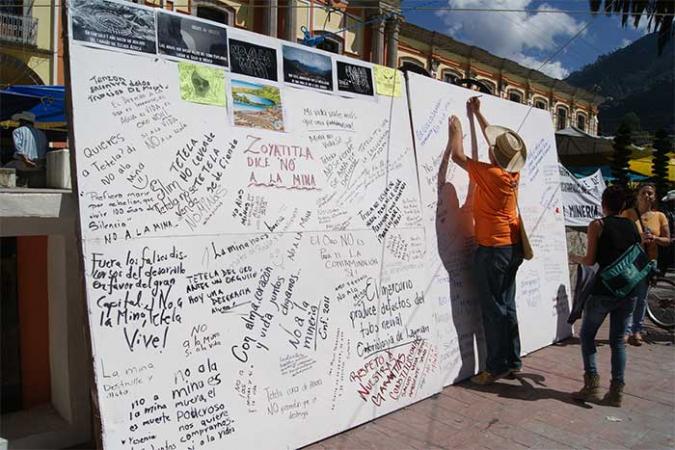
<point x="46" y="102"/>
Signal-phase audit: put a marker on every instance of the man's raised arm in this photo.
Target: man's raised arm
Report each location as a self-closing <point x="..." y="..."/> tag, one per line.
<point x="474" y="107"/>
<point x="455" y="142"/>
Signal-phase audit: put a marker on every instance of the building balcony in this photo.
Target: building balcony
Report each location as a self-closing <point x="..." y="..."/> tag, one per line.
<point x="18" y="29"/>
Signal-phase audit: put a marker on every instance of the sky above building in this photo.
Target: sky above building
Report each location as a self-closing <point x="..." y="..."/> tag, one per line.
<point x="530" y="32"/>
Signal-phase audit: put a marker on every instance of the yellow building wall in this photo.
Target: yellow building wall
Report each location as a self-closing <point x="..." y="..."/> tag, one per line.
<point x="39" y="63"/>
<point x="42" y="11"/>
<point x="322" y="21"/>
<point x="39" y="57"/>
<point x="303" y="14"/>
<point x="354" y="35"/>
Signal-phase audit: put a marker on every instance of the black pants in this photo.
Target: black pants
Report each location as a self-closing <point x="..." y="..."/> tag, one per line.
<point x="495" y="271"/>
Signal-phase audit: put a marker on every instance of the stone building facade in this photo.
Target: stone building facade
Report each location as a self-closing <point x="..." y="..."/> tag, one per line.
<point x="448" y="60"/>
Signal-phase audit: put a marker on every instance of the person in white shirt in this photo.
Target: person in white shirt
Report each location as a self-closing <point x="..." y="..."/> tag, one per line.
<point x="30" y="144"/>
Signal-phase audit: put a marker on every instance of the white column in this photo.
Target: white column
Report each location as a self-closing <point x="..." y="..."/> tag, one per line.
<point x="377" y="42"/>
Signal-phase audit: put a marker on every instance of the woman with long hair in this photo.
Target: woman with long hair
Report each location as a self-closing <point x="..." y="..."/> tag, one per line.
<point x="608" y="239"/>
<point x="653" y="226"/>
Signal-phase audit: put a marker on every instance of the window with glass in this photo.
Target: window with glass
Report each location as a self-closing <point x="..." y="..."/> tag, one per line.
<point x="492" y="87"/>
<point x="413" y="61"/>
<point x="562" y="118"/>
<point x="331" y="42"/>
<point x="581" y="122"/>
<point x="11" y="7"/>
<point x="450" y="76"/>
<point x="217" y="14"/>
<point x="515" y="96"/>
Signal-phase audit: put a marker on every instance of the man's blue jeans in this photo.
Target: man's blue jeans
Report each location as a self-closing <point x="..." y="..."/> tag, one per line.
<point x="495" y="272"/>
<point x="637" y="318"/>
<point x="596" y="309"/>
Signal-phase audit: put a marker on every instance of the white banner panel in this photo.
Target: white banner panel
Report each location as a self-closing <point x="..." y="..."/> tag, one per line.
<point x="582" y="197"/>
<point x="253" y="241"/>
<point x="542" y="283"/>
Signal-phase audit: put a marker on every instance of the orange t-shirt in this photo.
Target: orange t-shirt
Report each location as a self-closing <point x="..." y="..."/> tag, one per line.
<point x="655" y="221"/>
<point x="494" y="204"/>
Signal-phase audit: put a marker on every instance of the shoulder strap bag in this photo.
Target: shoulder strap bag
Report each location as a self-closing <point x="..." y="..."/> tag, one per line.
<point x="629" y="269"/>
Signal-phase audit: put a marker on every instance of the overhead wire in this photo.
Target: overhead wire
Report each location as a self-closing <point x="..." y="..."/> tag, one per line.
<point x="375" y="7"/>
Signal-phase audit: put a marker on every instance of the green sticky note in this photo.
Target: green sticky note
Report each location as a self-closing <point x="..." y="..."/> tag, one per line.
<point x="388" y="81"/>
<point x="202" y="84"/>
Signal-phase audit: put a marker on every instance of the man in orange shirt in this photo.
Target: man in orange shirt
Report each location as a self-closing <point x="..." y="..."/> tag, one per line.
<point x="497" y="232"/>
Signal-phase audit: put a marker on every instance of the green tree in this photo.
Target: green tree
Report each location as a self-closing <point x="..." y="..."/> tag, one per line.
<point x="662" y="146"/>
<point x="622" y="142"/>
<point x="633" y="121"/>
<point x="659" y="14"/>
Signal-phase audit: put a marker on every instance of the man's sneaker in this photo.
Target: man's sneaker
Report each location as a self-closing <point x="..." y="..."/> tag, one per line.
<point x="486" y="377"/>
<point x="513" y="371"/>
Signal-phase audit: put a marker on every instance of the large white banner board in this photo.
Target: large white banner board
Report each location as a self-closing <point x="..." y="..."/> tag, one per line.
<point x="267" y="261"/>
<point x="252" y="234"/>
<point x="542" y="283"/>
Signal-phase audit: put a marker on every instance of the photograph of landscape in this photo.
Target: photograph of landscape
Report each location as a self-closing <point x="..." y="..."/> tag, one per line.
<point x="257" y="105"/>
<point x="307" y="68"/>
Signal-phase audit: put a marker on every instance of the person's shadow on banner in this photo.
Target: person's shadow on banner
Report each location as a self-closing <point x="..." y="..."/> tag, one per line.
<point x="455" y="243"/>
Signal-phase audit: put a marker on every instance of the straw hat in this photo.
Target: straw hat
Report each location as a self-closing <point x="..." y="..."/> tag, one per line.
<point x="509" y="148"/>
<point x="24" y="115"/>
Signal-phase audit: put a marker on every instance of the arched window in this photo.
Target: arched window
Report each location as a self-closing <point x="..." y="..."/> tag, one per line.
<point x="450" y="76"/>
<point x="515" y="96"/>
<point x="581" y="121"/>
<point x="491" y="85"/>
<point x="540" y="104"/>
<point x="562" y="117"/>
<point x="216" y="12"/>
<point x="406" y="60"/>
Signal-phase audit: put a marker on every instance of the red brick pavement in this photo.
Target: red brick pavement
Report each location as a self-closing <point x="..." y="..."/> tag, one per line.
<point x="535" y="410"/>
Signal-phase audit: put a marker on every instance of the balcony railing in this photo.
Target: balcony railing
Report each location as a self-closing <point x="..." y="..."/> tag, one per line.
<point x="18" y="29"/>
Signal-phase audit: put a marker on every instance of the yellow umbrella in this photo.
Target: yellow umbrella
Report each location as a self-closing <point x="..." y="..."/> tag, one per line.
<point x="643" y="166"/>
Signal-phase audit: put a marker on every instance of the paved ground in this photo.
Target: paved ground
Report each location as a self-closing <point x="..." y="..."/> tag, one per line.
<point x="535" y="410"/>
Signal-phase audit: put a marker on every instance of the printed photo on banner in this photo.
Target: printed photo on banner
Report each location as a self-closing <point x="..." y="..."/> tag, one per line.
<point x="253" y="60"/>
<point x="184" y="37"/>
<point x="202" y="84"/>
<point x="355" y="79"/>
<point x="307" y="68"/>
<point x="120" y="25"/>
<point x="257" y="105"/>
